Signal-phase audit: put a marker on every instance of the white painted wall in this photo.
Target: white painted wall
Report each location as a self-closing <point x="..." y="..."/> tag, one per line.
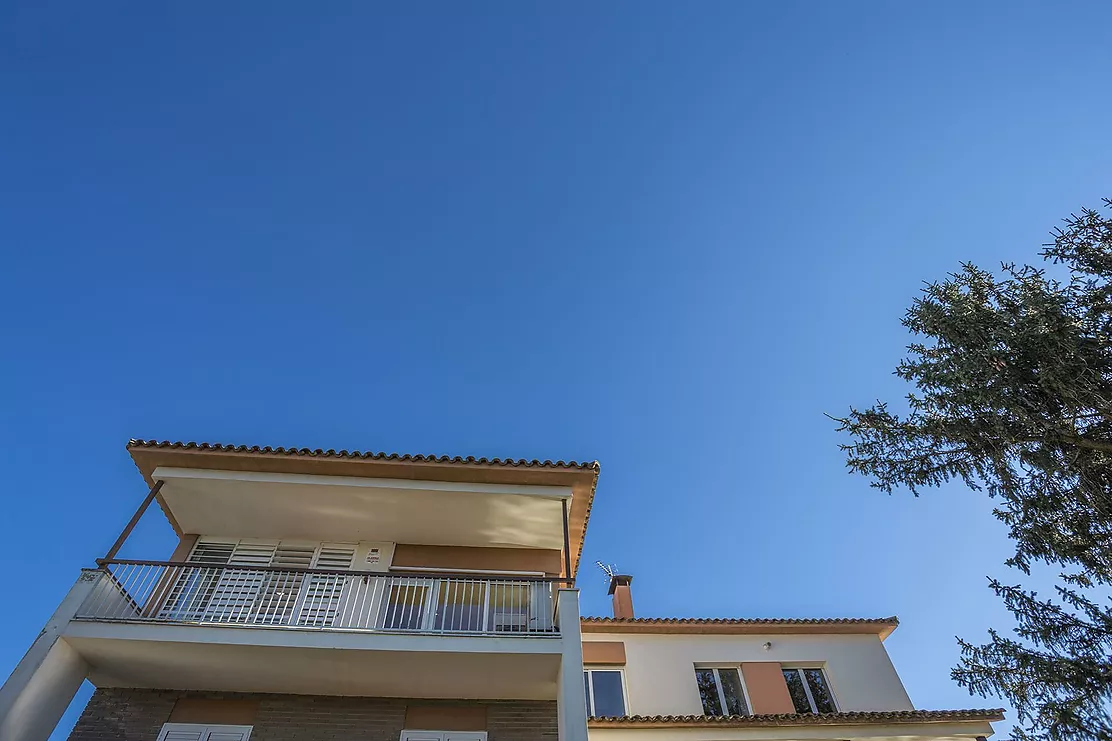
<point x="957" y="731"/>
<point x="37" y="693"/>
<point x="660" y="675"/>
<point x="571" y="706"/>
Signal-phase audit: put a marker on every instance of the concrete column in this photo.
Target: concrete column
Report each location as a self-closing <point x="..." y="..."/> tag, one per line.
<point x="44" y="682"/>
<point x="571" y="707"/>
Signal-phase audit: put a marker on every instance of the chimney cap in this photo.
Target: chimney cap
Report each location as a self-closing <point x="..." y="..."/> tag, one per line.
<point x="619" y="580"/>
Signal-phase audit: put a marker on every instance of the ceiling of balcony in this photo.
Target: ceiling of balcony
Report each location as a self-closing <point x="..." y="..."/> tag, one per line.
<point x="341" y="508"/>
<point x="318" y="671"/>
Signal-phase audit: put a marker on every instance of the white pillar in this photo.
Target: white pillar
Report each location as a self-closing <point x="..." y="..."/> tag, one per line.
<point x="571" y="707"/>
<point x="44" y="682"/>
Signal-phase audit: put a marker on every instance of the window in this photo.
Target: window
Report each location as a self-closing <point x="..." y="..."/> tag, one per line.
<point x="809" y="690"/>
<point x="444" y="735"/>
<point x="202" y="732"/>
<point x="605" y="692"/>
<point x="722" y="691"/>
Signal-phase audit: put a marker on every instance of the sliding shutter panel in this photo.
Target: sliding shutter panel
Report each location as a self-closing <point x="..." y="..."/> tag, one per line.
<point x="228" y="733"/>
<point x="336" y="556"/>
<point x="237" y="590"/>
<point x="183" y="732"/>
<point x="279" y="596"/>
<point x="194" y="586"/>
<point x="324" y="592"/>
<point x="201" y="732"/>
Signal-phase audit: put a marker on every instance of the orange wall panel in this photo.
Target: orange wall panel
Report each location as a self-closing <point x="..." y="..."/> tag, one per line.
<point x="768" y="692"/>
<point x="604" y="652"/>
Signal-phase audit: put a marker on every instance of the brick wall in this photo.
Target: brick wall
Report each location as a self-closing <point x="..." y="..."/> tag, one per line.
<point x="137" y="715"/>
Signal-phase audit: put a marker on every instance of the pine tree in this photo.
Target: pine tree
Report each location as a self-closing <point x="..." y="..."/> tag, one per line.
<point x="1012" y="377"/>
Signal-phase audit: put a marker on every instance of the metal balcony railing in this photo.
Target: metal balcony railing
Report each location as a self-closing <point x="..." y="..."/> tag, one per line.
<point x="257" y="596"/>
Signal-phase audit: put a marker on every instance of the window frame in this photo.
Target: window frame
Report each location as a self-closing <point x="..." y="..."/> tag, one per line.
<point x="205" y="729"/>
<point x="718" y="686"/>
<point x="800" y="669"/>
<point x="412" y="734"/>
<point x="591" y="688"/>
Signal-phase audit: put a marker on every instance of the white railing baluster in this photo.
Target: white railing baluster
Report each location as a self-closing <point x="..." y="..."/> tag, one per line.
<point x="150" y="591"/>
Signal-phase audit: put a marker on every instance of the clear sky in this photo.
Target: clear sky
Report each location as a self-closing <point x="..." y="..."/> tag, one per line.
<point x="665" y="236"/>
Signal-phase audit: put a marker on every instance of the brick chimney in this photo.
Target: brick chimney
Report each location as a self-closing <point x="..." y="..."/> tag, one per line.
<point x="623" y="598"/>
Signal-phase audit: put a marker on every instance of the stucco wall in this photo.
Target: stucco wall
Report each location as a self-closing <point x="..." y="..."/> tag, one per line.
<point x="660" y="678"/>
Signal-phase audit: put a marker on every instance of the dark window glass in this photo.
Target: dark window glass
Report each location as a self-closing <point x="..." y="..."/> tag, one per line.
<point x="587" y="692"/>
<point x="732" y="691"/>
<point x="609" y="698"/>
<point x="820" y="692"/>
<point x="795" y="689"/>
<point x="708" y="691"/>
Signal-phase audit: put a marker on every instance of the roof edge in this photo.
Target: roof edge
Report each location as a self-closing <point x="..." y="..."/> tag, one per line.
<point x="582" y="476"/>
<point x="881" y="627"/>
<point x="799" y="719"/>
<point x="139" y="443"/>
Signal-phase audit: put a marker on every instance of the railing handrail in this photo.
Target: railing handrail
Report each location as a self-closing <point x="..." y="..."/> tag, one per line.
<point x="432" y="602"/>
<point x="463" y="575"/>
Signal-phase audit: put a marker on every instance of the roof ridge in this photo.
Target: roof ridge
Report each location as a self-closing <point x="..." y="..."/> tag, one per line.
<point x="367" y="455"/>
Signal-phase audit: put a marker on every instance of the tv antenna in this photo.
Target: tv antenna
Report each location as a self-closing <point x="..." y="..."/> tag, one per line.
<point x="607" y="568"/>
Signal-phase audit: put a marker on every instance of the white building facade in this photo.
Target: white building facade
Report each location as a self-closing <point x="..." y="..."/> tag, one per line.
<point x="323" y="595"/>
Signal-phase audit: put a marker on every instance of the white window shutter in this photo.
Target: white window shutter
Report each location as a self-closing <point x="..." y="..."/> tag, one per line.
<point x="193" y="587"/>
<point x="336" y="556"/>
<point x="183" y="732"/>
<point x="324" y="592"/>
<point x="464" y="736"/>
<point x="422" y="736"/>
<point x="228" y="733"/>
<point x="201" y="732"/>
<point x="212" y="551"/>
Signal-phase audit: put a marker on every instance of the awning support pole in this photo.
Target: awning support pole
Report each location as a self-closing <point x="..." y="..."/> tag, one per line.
<point x="569" y="581"/>
<point x="139" y="513"/>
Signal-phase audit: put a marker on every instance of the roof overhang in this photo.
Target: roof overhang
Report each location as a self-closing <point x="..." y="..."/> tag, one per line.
<point x="905" y="725"/>
<point x="865" y="717"/>
<point x="881" y="627"/>
<point x="256" y="492"/>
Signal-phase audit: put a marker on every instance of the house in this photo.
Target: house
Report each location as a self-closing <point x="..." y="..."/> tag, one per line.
<point x="317" y="595"/>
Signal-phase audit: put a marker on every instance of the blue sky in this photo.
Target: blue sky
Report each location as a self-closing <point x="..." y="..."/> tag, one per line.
<point x="664" y="236"/>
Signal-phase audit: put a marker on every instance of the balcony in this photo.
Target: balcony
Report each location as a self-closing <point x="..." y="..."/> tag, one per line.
<point x="321" y="599"/>
<point x="149" y="624"/>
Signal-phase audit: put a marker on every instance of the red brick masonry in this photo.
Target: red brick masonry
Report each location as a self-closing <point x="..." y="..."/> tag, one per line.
<point x="138" y="715"/>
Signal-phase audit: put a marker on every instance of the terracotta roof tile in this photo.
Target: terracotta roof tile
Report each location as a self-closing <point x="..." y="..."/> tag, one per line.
<point x="591" y="467"/>
<point x="742" y="621"/>
<point x="798" y="719"/>
<point x="403" y="457"/>
<point x="881" y="627"/>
